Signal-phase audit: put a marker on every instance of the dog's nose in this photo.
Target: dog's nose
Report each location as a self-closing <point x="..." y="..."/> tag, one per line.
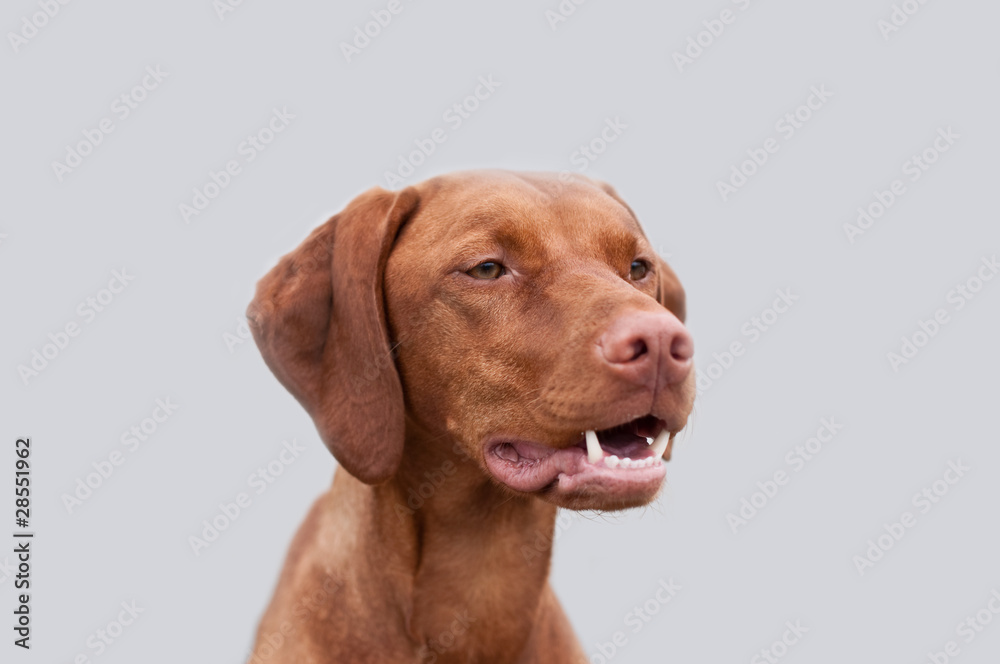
<point x="644" y="347"/>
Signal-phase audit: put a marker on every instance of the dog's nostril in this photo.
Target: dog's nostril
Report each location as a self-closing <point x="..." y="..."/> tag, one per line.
<point x="682" y="348"/>
<point x="639" y="349"/>
<point x="625" y="349"/>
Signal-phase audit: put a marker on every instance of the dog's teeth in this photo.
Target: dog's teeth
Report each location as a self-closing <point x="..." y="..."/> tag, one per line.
<point x="612" y="461"/>
<point x="649" y="441"/>
<point x="626" y="463"/>
<point x="594" y="451"/>
<point x="660" y="444"/>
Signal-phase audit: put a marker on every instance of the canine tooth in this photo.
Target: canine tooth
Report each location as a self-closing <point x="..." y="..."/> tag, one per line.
<point x="660" y="444"/>
<point x="594" y="451"/>
<point x="649" y="441"/>
<point x="612" y="461"/>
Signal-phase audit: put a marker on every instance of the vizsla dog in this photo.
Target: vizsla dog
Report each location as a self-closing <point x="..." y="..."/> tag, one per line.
<point x="476" y="351"/>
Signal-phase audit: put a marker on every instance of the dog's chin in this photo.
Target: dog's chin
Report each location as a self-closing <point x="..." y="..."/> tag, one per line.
<point x="626" y="470"/>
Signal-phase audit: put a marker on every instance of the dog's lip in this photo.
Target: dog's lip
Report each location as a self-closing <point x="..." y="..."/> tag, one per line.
<point x="531" y="467"/>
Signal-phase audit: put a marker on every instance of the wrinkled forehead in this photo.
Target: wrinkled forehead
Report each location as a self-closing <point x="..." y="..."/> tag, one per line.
<point x="521" y="215"/>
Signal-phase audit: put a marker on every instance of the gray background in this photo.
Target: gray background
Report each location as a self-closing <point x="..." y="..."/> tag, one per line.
<point x="164" y="336"/>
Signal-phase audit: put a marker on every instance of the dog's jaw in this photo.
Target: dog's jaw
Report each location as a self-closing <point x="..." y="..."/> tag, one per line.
<point x="616" y="468"/>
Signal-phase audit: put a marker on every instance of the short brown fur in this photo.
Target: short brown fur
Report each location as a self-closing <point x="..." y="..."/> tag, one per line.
<point x="417" y="553"/>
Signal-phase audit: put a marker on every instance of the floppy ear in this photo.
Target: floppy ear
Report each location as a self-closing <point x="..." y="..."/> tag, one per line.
<point x="669" y="291"/>
<point x="319" y="320"/>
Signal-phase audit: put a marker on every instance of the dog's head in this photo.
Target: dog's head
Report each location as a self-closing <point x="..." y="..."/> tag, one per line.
<point x="522" y="317"/>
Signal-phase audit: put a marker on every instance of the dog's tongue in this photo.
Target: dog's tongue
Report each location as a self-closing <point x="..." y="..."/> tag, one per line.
<point x="618" y="442"/>
<point x="623" y="461"/>
<point x="621" y="442"/>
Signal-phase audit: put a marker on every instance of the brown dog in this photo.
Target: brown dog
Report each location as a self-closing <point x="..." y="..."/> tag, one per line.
<point x="453" y="342"/>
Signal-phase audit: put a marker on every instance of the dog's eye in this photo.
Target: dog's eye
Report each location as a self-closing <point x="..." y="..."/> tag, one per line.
<point x="487" y="270"/>
<point x="638" y="270"/>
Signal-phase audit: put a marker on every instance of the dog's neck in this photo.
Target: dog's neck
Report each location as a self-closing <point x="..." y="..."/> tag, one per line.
<point x="468" y="562"/>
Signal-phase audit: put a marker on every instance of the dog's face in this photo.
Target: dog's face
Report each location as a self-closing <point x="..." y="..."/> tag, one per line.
<point x="528" y="317"/>
<point x="521" y="304"/>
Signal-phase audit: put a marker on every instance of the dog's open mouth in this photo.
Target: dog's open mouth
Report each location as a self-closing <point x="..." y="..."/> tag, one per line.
<point x="624" y="462"/>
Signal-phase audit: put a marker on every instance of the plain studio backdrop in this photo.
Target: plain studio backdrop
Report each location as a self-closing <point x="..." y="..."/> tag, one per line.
<point x="843" y="155"/>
